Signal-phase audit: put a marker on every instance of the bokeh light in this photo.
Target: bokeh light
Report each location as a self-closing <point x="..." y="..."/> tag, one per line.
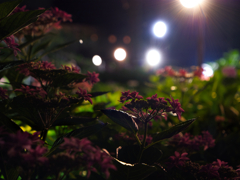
<point x="207" y="70"/>
<point x="97" y="60"/>
<point x="159" y="29"/>
<point x="126" y="39"/>
<point x="80" y="41"/>
<point x="120" y="54"/>
<point x="112" y="39"/>
<point x="153" y="57"/>
<point x="190" y="3"/>
<point x="94" y="37"/>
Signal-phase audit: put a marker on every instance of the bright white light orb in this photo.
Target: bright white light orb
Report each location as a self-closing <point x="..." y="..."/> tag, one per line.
<point x="159" y="29"/>
<point x="190" y="3"/>
<point x="120" y="54"/>
<point x="153" y="57"/>
<point x="207" y="70"/>
<point x="80" y="41"/>
<point x="97" y="60"/>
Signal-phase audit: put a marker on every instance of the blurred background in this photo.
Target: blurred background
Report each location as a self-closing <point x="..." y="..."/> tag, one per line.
<point x="104" y="25"/>
<point x="147" y="35"/>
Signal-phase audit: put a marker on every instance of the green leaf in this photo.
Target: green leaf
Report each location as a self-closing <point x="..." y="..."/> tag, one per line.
<point x="7" y="65"/>
<point x="32" y="40"/>
<point x="73" y="121"/>
<point x="41" y="46"/>
<point x="171" y="132"/>
<point x="65" y="79"/>
<point x="122" y="118"/>
<point x="128" y="171"/>
<point x="17" y="21"/>
<point x="95" y="94"/>
<point x="8" y="123"/>
<point x="61" y="46"/>
<point x="79" y="133"/>
<point x="7" y="8"/>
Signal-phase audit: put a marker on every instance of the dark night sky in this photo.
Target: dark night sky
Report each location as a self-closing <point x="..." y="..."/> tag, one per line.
<point x="220" y="21"/>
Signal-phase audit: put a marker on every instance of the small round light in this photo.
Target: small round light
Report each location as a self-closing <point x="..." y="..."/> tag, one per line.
<point x="120" y="54"/>
<point x="97" y="60"/>
<point x="159" y="29"/>
<point x="80" y="41"/>
<point x="153" y="57"/>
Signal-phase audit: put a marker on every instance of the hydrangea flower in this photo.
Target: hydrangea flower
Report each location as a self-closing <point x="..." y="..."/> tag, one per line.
<point x="83" y="94"/>
<point x="92" y="77"/>
<point x="178" y="159"/>
<point x="10" y="42"/>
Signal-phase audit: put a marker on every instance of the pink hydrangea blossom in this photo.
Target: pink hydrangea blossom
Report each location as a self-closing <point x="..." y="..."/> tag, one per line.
<point x="127" y="95"/>
<point x="220" y="163"/>
<point x="92" y="77"/>
<point x="182" y="72"/>
<point x="47" y="21"/>
<point x="193" y="142"/>
<point x="229" y="71"/>
<point x="210" y="170"/>
<point x="83" y="94"/>
<point x="176" y="107"/>
<point x="92" y="155"/>
<point x="27" y="67"/>
<point x="31" y="91"/>
<point x="10" y="42"/>
<point x="179" y="159"/>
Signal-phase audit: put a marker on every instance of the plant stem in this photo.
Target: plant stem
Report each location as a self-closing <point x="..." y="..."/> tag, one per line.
<point x="144" y="142"/>
<point x="139" y="142"/>
<point x="44" y="134"/>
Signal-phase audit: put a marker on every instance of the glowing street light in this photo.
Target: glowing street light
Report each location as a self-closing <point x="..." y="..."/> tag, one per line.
<point x="153" y="57"/>
<point x="207" y="70"/>
<point x="120" y="54"/>
<point x="159" y="29"/>
<point x="97" y="60"/>
<point x="190" y="3"/>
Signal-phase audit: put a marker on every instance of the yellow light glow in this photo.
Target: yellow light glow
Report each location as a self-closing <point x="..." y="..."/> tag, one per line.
<point x="190" y="3"/>
<point x="120" y="54"/>
<point x="97" y="60"/>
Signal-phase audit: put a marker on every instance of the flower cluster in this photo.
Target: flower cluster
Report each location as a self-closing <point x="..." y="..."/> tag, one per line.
<point x="3" y="93"/>
<point x="83" y="94"/>
<point x="26" y="148"/>
<point x="229" y="72"/>
<point x="50" y="19"/>
<point x="154" y="107"/>
<point x="215" y="170"/>
<point x="86" y="155"/>
<point x="178" y="159"/>
<point x="32" y="91"/>
<point x="168" y="71"/>
<point x="92" y="77"/>
<point x="26" y="68"/>
<point x="10" y="42"/>
<point x="193" y="142"/>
